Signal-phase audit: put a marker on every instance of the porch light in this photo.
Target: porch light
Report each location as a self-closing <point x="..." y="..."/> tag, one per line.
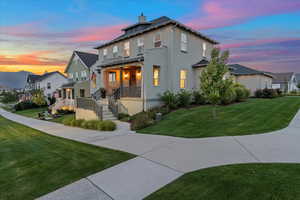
<point x="126" y="75"/>
<point x="139" y="74"/>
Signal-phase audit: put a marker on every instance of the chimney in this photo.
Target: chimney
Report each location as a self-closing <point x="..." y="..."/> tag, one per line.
<point x="142" y="18"/>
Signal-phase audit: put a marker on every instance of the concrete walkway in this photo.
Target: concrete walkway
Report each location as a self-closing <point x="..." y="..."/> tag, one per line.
<point x="162" y="159"/>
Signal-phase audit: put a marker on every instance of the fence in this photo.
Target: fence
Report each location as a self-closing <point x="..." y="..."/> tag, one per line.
<point x="90" y="104"/>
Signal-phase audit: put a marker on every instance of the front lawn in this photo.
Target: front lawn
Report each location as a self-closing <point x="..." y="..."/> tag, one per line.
<point x="251" y="117"/>
<point x="236" y="182"/>
<point x="33" y="163"/>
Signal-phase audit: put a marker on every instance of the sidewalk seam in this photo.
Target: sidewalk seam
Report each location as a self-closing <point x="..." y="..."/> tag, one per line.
<point x="98" y="188"/>
<point x="163" y="165"/>
<point x="247" y="150"/>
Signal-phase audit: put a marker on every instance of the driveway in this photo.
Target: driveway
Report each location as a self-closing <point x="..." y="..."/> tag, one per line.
<point x="162" y="159"/>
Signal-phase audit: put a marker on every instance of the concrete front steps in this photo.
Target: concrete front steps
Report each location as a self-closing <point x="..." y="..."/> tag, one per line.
<point x="107" y="114"/>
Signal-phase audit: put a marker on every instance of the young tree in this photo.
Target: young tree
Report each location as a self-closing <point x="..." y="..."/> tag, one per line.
<point x="38" y="98"/>
<point x="213" y="78"/>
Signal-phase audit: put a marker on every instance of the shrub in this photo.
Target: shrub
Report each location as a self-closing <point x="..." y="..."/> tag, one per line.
<point x="123" y="117"/>
<point x="68" y="121"/>
<point x="107" y="125"/>
<point x="259" y="93"/>
<point x="229" y="96"/>
<point x="8" y="97"/>
<point x="269" y="93"/>
<point x="25" y="105"/>
<point x="169" y="99"/>
<point x="78" y="122"/>
<point x="241" y="92"/>
<point x="279" y="92"/>
<point x="142" y="121"/>
<point x="198" y="98"/>
<point x="184" y="98"/>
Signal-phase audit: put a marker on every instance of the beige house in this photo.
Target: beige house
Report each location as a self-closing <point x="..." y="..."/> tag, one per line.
<point x="149" y="58"/>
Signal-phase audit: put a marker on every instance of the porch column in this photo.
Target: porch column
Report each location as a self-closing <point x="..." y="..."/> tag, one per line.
<point x="121" y="81"/>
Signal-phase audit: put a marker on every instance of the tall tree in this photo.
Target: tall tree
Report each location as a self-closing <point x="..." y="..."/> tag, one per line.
<point x="213" y="78"/>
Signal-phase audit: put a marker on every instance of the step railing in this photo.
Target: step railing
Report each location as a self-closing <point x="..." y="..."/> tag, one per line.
<point x="90" y="104"/>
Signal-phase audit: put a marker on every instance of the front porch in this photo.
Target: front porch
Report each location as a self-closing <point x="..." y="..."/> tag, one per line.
<point x="65" y="98"/>
<point x="123" y="81"/>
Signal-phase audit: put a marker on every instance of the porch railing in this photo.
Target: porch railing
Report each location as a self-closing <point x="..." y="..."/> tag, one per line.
<point x="90" y="104"/>
<point x="130" y="91"/>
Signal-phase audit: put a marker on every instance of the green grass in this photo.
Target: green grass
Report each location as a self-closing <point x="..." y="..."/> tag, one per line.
<point x="33" y="113"/>
<point x="236" y="182"/>
<point x="62" y="118"/>
<point x="251" y="117"/>
<point x="33" y="163"/>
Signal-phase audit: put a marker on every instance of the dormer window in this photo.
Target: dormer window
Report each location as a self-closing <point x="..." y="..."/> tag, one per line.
<point x="126" y="49"/>
<point x="204" y="47"/>
<point x="104" y="53"/>
<point x="157" y="40"/>
<point x="140" y="44"/>
<point x="183" y="42"/>
<point x="115" y="51"/>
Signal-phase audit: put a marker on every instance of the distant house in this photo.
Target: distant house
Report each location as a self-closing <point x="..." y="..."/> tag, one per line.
<point x="286" y="82"/>
<point x="298" y="80"/>
<point x="14" y="80"/>
<point x="252" y="79"/>
<point x="48" y="82"/>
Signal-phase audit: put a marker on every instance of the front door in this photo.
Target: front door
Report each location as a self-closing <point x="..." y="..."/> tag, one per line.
<point x="132" y="78"/>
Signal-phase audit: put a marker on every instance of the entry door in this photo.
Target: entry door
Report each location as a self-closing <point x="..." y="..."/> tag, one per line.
<point x="132" y="79"/>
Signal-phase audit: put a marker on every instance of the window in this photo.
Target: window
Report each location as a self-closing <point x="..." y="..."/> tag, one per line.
<point x="204" y="49"/>
<point x="59" y="94"/>
<point x="104" y="53"/>
<point x="70" y="76"/>
<point x="182" y="75"/>
<point x="81" y="92"/>
<point x="83" y="75"/>
<point x="156" y="75"/>
<point x="183" y="42"/>
<point x="157" y="40"/>
<point x="76" y="76"/>
<point x="115" y="51"/>
<point x="112" y="77"/>
<point x="126" y="49"/>
<point x="140" y="44"/>
<point x="48" y="85"/>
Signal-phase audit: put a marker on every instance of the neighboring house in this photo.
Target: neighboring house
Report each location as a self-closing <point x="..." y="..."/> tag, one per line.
<point x="298" y="80"/>
<point x="48" y="82"/>
<point x="252" y="79"/>
<point x="286" y="82"/>
<point x="78" y="85"/>
<point x="14" y="80"/>
<point x="148" y="59"/>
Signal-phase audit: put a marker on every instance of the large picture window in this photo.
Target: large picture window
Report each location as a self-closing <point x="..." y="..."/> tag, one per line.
<point x="183" y="79"/>
<point x="156" y="75"/>
<point x="183" y="45"/>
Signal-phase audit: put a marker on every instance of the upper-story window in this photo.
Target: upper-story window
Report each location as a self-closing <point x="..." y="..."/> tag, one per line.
<point x="76" y="76"/>
<point x="48" y="85"/>
<point x="157" y="40"/>
<point x="183" y="44"/>
<point x="126" y="49"/>
<point x="140" y="44"/>
<point x="204" y="47"/>
<point x="70" y="76"/>
<point x="104" y="53"/>
<point x="115" y="51"/>
<point x="83" y="75"/>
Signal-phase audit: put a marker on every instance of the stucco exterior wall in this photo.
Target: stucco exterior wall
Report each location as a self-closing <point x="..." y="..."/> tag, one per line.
<point x="56" y="81"/>
<point x="85" y="114"/>
<point x="82" y="85"/>
<point x="254" y="82"/>
<point x="133" y="105"/>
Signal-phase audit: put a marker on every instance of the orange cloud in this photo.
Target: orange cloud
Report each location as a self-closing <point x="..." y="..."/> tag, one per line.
<point x="37" y="69"/>
<point x="34" y="58"/>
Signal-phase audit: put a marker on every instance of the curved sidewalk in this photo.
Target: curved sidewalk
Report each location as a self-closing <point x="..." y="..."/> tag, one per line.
<point x="162" y="159"/>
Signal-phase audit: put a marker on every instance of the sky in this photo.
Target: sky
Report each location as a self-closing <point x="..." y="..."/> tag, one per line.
<point x="40" y="35"/>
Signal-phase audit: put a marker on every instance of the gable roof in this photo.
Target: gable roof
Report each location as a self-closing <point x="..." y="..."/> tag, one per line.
<point x="32" y="78"/>
<point x="151" y="25"/>
<point x="282" y="77"/>
<point x="237" y="69"/>
<point x="88" y="59"/>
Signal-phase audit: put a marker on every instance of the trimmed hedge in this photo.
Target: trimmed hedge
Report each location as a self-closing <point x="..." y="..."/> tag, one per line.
<point x="24" y="105"/>
<point x="268" y="93"/>
<point x="106" y="125"/>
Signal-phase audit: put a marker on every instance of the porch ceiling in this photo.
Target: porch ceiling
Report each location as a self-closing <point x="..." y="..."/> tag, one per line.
<point x="122" y="61"/>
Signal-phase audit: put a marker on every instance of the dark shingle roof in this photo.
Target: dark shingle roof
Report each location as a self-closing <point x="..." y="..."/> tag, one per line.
<point x="32" y="78"/>
<point x="201" y="63"/>
<point x="68" y="85"/>
<point x="237" y="69"/>
<point x="88" y="58"/>
<point x="122" y="61"/>
<point x="140" y="28"/>
<point x="282" y="77"/>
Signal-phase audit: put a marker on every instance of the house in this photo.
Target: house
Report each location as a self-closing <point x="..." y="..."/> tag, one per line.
<point x="78" y="85"/>
<point x="298" y="80"/>
<point x="149" y="58"/>
<point x="252" y="79"/>
<point x="48" y="82"/>
<point x="286" y="82"/>
<point x="14" y="80"/>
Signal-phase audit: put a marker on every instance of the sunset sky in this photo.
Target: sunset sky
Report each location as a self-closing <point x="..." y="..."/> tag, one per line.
<point x="40" y="36"/>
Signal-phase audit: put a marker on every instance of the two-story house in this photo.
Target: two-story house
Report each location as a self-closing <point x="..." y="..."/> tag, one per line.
<point x="149" y="58"/>
<point x="78" y="85"/>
